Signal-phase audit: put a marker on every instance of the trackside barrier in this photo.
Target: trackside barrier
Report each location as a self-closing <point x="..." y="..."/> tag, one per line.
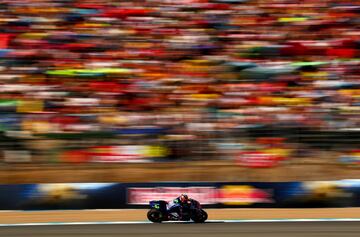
<point x="341" y="193"/>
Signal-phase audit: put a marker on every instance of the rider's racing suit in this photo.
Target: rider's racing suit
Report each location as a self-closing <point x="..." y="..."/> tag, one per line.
<point x="175" y="207"/>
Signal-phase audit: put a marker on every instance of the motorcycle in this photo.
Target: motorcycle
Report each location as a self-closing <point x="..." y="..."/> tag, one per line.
<point x="159" y="212"/>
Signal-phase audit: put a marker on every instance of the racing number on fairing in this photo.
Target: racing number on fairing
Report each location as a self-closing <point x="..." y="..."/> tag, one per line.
<point x="157" y="206"/>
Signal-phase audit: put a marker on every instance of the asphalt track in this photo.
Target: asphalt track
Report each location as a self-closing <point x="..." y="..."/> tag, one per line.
<point x="272" y="229"/>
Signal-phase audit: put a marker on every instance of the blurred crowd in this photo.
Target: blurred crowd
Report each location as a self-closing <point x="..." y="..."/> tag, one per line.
<point x="185" y="70"/>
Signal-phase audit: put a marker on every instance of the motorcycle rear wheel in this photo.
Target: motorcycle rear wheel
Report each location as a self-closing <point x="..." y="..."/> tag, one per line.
<point x="155" y="216"/>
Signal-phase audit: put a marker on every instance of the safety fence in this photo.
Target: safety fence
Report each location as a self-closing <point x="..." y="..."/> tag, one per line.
<point x="341" y="193"/>
<point x="264" y="146"/>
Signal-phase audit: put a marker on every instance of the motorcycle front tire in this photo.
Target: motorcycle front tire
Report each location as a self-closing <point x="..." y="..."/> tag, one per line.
<point x="200" y="217"/>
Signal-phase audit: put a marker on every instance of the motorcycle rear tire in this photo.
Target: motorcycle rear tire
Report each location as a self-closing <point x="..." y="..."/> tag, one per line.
<point x="155" y="216"/>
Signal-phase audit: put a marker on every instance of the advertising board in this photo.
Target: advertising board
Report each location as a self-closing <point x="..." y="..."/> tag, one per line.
<point x="244" y="195"/>
<point x="257" y="159"/>
<point x="142" y="195"/>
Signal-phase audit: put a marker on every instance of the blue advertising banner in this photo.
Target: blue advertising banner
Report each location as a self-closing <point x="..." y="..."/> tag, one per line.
<point x="62" y="196"/>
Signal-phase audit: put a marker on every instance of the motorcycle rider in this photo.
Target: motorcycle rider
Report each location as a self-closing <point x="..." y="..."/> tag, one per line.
<point x="175" y="206"/>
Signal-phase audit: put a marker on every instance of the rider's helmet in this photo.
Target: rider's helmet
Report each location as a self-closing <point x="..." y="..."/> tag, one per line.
<point x="184" y="198"/>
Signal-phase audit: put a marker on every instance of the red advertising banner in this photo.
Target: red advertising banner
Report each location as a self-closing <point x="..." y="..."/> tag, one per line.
<point x="140" y="196"/>
<point x="257" y="159"/>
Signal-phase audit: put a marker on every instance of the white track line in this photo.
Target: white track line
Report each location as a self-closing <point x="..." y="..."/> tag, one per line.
<point x="210" y="221"/>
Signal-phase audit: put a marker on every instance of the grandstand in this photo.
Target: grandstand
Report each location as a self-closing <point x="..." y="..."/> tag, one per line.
<point x="213" y="88"/>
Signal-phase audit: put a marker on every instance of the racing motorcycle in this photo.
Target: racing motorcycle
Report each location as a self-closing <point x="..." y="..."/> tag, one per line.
<point x="192" y="211"/>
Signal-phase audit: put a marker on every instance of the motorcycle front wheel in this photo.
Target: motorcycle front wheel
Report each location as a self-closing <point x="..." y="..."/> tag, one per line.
<point x="200" y="216"/>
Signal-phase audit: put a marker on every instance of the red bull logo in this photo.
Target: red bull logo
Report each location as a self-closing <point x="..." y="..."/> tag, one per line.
<point x="244" y="195"/>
